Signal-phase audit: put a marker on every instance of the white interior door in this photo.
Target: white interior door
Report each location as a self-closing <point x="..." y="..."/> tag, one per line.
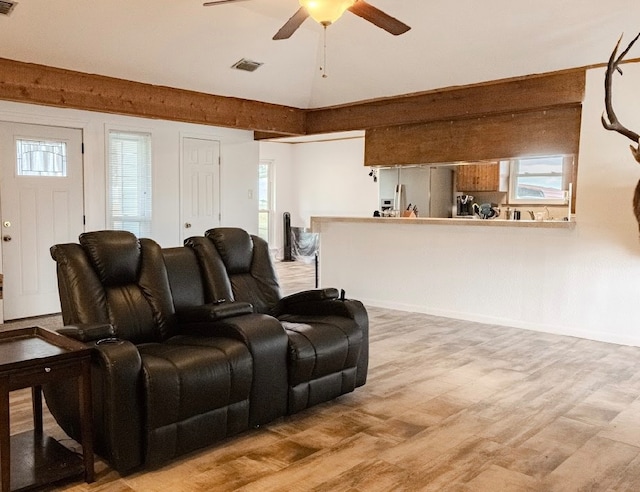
<point x="200" y="190"/>
<point x="41" y="196"/>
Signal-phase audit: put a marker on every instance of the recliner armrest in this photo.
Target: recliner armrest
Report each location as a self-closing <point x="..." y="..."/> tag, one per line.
<point x="118" y="366"/>
<point x="305" y="301"/>
<point x="214" y="311"/>
<point x="116" y="374"/>
<point x="312" y="295"/>
<point x="88" y="332"/>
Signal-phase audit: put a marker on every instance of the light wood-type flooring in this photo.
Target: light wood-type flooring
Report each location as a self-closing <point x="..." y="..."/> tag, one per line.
<point x="449" y="406"/>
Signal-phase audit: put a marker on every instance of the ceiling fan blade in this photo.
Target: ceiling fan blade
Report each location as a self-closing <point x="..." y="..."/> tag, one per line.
<point x="292" y="24"/>
<point x="378" y="18"/>
<point x="220" y="2"/>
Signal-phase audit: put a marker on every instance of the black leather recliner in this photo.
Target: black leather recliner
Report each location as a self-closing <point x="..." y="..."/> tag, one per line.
<point x="196" y="343"/>
<point x="157" y="391"/>
<point x="328" y="346"/>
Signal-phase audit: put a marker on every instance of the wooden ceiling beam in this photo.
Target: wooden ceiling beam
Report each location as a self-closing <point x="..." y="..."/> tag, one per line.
<point x="40" y="84"/>
<point x="497" y="97"/>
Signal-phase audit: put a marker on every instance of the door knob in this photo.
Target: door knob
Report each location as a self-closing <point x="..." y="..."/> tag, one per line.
<point x="6" y="239"/>
<point x="187" y="225"/>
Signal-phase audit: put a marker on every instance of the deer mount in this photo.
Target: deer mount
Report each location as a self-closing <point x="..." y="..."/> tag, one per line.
<point x="611" y="122"/>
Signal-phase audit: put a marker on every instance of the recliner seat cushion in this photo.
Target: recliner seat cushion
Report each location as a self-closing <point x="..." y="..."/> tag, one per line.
<point x="194" y="394"/>
<point x="321" y="346"/>
<point x="323" y="355"/>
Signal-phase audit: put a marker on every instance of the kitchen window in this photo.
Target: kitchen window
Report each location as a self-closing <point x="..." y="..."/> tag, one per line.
<point x="540" y="180"/>
<point x="129" y="182"/>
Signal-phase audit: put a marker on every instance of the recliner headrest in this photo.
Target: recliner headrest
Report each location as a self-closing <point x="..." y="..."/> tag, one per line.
<point x="235" y="247"/>
<point x="115" y="255"/>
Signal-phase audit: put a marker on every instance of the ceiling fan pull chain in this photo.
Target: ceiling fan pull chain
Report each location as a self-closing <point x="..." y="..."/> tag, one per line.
<point x="324" y="53"/>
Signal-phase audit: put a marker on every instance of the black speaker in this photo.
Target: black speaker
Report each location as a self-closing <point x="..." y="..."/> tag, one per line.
<point x="286" y="217"/>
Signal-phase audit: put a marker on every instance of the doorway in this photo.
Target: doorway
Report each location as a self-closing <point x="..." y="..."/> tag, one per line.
<point x="200" y="189"/>
<point x="41" y="199"/>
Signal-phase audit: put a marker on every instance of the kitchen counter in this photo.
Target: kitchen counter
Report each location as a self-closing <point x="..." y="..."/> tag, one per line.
<point x="316" y="222"/>
<point x="516" y="273"/>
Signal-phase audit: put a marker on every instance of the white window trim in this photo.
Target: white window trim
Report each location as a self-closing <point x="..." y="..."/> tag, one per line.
<point x="567" y="169"/>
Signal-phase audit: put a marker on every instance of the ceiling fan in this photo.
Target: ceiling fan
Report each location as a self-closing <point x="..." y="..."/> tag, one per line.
<point x="326" y="12"/>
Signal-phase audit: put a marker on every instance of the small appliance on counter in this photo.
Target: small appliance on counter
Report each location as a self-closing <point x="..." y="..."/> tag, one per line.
<point x="464" y="205"/>
<point x="487" y="210"/>
<point x="386" y="204"/>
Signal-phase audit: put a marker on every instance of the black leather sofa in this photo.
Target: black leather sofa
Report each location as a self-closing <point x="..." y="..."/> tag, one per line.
<point x="196" y="343"/>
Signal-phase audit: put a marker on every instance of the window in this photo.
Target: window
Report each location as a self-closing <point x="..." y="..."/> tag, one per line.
<point x="540" y="179"/>
<point x="265" y="200"/>
<point x="129" y="182"/>
<point x="41" y="158"/>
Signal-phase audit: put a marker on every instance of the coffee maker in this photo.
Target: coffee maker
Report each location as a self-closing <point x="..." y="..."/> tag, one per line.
<point x="464" y="205"/>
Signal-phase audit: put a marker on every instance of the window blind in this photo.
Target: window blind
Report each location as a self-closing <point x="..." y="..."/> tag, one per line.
<point x="129" y="182"/>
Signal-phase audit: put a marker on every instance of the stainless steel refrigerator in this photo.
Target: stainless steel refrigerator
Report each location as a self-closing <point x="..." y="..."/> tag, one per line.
<point x="427" y="188"/>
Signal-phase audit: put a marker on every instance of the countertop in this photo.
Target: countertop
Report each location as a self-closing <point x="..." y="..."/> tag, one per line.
<point x="316" y="222"/>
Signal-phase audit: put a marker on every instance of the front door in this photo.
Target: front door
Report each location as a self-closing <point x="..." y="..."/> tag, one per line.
<point x="200" y="186"/>
<point x="41" y="199"/>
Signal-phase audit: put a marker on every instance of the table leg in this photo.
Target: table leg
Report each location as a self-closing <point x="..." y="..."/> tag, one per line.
<point x="5" y="443"/>
<point x="86" y="429"/>
<point x="36" y="402"/>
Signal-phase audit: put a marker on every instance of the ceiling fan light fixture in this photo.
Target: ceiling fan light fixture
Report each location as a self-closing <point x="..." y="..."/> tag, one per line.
<point x="326" y="12"/>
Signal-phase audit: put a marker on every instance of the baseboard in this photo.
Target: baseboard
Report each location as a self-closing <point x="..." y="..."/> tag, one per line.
<point x="598" y="336"/>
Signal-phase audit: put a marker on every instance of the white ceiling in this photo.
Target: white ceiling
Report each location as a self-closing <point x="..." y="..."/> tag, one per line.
<point x="183" y="44"/>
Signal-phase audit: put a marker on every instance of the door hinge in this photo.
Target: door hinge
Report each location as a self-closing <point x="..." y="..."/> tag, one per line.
<point x="82" y="147"/>
<point x="84" y="220"/>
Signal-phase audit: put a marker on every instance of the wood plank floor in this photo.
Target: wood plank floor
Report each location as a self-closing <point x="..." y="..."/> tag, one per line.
<point x="449" y="405"/>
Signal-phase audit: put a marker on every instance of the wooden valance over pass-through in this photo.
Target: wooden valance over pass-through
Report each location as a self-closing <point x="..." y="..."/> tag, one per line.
<point x="534" y="115"/>
<point x="544" y="132"/>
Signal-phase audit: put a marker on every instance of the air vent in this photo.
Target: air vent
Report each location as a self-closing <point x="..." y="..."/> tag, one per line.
<point x="7" y="7"/>
<point x="247" y="65"/>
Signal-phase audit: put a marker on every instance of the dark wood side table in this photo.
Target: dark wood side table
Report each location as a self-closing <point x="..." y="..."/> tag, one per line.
<point x="31" y="357"/>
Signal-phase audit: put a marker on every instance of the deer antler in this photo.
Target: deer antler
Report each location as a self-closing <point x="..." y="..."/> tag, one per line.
<point x="613" y="123"/>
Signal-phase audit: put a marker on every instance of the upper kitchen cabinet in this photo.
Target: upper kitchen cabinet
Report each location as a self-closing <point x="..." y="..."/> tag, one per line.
<point x="480" y="177"/>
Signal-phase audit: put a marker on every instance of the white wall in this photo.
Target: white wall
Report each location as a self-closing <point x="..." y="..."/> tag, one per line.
<point x="239" y="154"/>
<point x="583" y="282"/>
<point x="320" y="178"/>
<point x="332" y="180"/>
<point x="239" y="182"/>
